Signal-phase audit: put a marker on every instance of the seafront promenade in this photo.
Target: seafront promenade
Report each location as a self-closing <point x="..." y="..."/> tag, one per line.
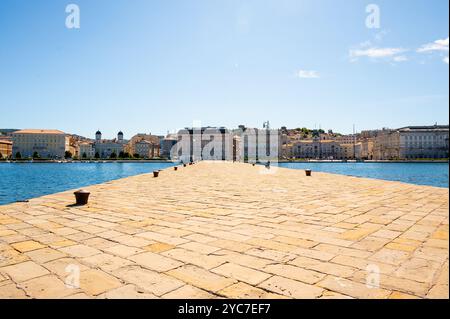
<point x="233" y="230"/>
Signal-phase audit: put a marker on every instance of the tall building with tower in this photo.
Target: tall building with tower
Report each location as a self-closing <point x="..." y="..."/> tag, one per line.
<point x="105" y="148"/>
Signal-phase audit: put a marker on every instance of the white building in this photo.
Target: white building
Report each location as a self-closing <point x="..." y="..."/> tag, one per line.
<point x="413" y="142"/>
<point x="86" y="150"/>
<point x="44" y="143"/>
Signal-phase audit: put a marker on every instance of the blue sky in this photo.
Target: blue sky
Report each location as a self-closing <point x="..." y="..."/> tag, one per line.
<point x="154" y="66"/>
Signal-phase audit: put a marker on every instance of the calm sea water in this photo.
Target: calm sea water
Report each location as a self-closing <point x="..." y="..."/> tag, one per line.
<point x="24" y="181"/>
<point x="432" y="174"/>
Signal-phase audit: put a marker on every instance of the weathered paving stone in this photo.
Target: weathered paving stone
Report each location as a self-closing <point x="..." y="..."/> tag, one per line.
<point x="244" y="291"/>
<point x="123" y="251"/>
<point x="401" y="295"/>
<point x="395" y="283"/>
<point x="27" y="246"/>
<point x="201" y="278"/>
<point x="241" y="273"/>
<point x="155" y="261"/>
<point x="24" y="271"/>
<point x="324" y="267"/>
<point x="353" y="288"/>
<point x="195" y="258"/>
<point x="291" y="288"/>
<point x="63" y="267"/>
<point x="106" y="262"/>
<point x="44" y="255"/>
<point x="158" y="247"/>
<point x="47" y="287"/>
<point x="188" y="292"/>
<point x="94" y="282"/>
<point x="127" y="292"/>
<point x="148" y="281"/>
<point x="10" y="291"/>
<point x="190" y="235"/>
<point x="418" y="269"/>
<point x="80" y="251"/>
<point x="390" y="256"/>
<point x="296" y="273"/>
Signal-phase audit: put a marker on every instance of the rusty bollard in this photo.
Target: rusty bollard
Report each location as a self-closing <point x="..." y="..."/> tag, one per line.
<point x="175" y="168"/>
<point x="81" y="197"/>
<point x="155" y="173"/>
<point x="308" y="172"/>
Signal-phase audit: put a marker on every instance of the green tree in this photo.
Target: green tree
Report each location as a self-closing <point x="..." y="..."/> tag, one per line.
<point x="97" y="155"/>
<point x="121" y="154"/>
<point x="136" y="155"/>
<point x="126" y="155"/>
<point x="36" y="155"/>
<point x="67" y="154"/>
<point x="1" y="156"/>
<point x="113" y="155"/>
<point x="18" y="155"/>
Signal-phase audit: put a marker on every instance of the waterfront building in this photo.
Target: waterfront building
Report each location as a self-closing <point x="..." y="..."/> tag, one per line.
<point x="346" y="139"/>
<point x="86" y="150"/>
<point x="205" y="143"/>
<point x="105" y="148"/>
<point x="412" y="142"/>
<point x="166" y="145"/>
<point x="147" y="150"/>
<point x="45" y="143"/>
<point x="371" y="133"/>
<point x="5" y="148"/>
<point x="349" y="151"/>
<point x="259" y="144"/>
<point x="317" y="149"/>
<point x="364" y="149"/>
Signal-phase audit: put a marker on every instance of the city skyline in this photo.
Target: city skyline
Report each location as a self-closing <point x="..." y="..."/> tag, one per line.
<point x="159" y="65"/>
<point x="111" y="135"/>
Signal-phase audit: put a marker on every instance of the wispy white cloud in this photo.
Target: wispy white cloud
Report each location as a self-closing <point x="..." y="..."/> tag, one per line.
<point x="400" y="58"/>
<point x="307" y="74"/>
<point x="372" y="49"/>
<point x="436" y="46"/>
<point x="375" y="53"/>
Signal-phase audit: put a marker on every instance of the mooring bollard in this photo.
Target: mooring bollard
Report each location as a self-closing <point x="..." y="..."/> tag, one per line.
<point x="184" y="165"/>
<point x="175" y="168"/>
<point x="155" y="173"/>
<point x="308" y="172"/>
<point x="81" y="197"/>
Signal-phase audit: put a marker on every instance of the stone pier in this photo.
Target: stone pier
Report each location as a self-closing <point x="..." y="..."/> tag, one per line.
<point x="221" y="229"/>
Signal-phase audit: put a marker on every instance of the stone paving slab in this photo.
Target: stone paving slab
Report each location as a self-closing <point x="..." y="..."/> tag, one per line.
<point x="229" y="230"/>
